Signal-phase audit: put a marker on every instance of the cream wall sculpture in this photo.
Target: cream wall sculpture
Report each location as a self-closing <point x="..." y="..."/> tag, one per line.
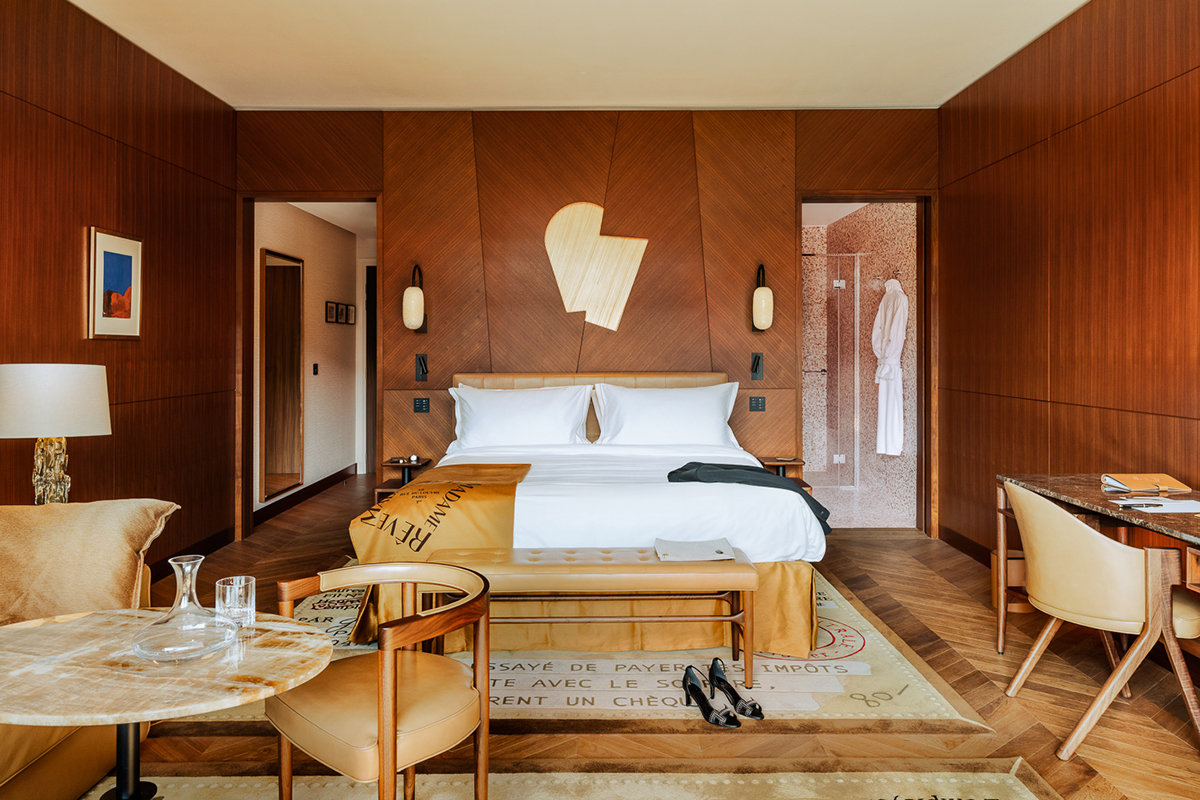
<point x="595" y="273"/>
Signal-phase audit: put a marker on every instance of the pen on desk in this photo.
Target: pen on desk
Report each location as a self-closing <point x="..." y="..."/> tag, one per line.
<point x="1143" y="505"/>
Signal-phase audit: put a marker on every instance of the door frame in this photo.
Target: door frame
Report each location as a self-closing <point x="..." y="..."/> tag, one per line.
<point x="245" y="370"/>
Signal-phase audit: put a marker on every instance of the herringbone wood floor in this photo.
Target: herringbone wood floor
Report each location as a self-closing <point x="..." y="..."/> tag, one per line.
<point x="934" y="597"/>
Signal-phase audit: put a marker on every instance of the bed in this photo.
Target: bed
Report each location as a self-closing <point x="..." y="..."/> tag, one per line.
<point x="599" y="490"/>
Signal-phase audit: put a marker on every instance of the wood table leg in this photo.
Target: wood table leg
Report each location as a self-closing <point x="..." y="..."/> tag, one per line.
<point x="1000" y="574"/>
<point x="748" y="637"/>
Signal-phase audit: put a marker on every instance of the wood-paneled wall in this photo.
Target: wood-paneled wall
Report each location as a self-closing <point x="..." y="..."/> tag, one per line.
<point x="96" y="132"/>
<point x="467" y="195"/>
<point x="1070" y="258"/>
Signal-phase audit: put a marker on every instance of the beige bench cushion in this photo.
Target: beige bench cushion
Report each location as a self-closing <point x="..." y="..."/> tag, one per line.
<point x="595" y="569"/>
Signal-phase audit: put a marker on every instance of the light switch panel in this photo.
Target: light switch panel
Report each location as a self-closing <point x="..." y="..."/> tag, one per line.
<point x="758" y="404"/>
<point x="421" y="405"/>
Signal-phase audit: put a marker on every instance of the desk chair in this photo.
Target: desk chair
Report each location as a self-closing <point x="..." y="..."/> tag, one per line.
<point x="1076" y="574"/>
<point x="370" y="716"/>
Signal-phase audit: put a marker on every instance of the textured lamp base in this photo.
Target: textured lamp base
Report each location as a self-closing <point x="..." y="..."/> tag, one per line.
<point x="51" y="484"/>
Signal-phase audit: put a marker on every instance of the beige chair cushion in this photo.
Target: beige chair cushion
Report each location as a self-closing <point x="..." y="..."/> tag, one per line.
<point x="334" y="718"/>
<point x="600" y="569"/>
<point x="1185" y="613"/>
<point x="64" y="558"/>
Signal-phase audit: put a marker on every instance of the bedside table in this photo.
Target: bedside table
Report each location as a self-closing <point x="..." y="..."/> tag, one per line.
<point x="406" y="468"/>
<point x="780" y="466"/>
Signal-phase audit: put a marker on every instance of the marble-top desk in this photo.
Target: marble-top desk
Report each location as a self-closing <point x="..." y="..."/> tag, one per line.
<point x="1084" y="493"/>
<point x="81" y="670"/>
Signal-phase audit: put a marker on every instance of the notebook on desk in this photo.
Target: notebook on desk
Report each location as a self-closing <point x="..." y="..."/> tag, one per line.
<point x="1148" y="482"/>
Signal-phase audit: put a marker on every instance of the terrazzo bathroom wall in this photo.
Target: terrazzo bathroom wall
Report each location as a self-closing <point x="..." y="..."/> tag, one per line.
<point x="814" y="350"/>
<point x="879" y="491"/>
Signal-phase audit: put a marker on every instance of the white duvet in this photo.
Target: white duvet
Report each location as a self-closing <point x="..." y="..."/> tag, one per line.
<point x="605" y="495"/>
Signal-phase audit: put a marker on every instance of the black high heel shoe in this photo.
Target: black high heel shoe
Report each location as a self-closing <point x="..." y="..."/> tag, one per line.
<point x="693" y="692"/>
<point x="748" y="708"/>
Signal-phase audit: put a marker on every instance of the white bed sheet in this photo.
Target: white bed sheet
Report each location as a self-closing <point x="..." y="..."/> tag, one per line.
<point x="596" y="495"/>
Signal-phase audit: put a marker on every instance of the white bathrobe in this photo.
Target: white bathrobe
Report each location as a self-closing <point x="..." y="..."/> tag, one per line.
<point x="887" y="339"/>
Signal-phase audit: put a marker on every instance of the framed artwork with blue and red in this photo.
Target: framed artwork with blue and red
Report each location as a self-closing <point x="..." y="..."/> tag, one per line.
<point x="114" y="286"/>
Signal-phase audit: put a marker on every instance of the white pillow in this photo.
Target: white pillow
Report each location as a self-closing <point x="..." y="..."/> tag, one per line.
<point x="500" y="417"/>
<point x="665" y="416"/>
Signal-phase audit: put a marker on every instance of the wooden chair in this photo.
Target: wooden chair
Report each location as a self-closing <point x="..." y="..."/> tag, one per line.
<point x="370" y="716"/>
<point x="1076" y="574"/>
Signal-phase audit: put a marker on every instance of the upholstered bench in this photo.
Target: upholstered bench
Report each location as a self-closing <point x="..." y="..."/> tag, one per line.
<point x="618" y="573"/>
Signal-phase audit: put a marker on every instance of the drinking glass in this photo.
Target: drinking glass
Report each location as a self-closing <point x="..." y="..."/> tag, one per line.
<point x="235" y="599"/>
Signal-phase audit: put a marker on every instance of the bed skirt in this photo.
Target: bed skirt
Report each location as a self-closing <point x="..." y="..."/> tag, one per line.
<point x="785" y="620"/>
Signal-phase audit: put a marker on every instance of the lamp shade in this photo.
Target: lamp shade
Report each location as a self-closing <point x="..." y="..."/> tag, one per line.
<point x="414" y="307"/>
<point x="53" y="400"/>
<point x="762" y="307"/>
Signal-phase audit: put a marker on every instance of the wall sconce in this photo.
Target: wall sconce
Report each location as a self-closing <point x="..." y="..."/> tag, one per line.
<point x="763" y="307"/>
<point x="415" y="318"/>
<point x="50" y="402"/>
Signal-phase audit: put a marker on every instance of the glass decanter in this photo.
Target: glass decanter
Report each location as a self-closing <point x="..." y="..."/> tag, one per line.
<point x="188" y="631"/>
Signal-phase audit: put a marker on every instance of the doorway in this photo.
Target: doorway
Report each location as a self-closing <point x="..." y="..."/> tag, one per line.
<point x="851" y="254"/>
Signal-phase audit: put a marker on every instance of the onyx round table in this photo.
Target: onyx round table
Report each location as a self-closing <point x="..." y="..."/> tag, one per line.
<point x="81" y="670"/>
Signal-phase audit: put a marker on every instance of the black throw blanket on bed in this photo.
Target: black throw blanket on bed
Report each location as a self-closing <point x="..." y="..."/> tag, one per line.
<point x="698" y="471"/>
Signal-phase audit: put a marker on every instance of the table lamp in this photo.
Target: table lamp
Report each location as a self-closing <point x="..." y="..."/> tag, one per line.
<point x="51" y="402"/>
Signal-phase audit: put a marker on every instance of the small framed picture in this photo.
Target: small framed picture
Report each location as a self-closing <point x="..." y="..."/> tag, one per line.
<point x="114" y="285"/>
<point x="330" y="311"/>
<point x="350" y="315"/>
<point x="341" y="312"/>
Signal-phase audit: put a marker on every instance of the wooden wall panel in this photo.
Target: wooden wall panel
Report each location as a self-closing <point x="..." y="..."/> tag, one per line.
<point x="310" y="151"/>
<point x="982" y="436"/>
<point x="1006" y="110"/>
<point x="431" y="218"/>
<point x="56" y="57"/>
<point x="866" y="150"/>
<point x="1125" y="255"/>
<point x="993" y="280"/>
<point x="770" y="432"/>
<point x="1081" y="157"/>
<point x="60" y="179"/>
<point x="1111" y="50"/>
<point x="652" y="194"/>
<point x="531" y="164"/>
<point x="746" y="166"/>
<point x="406" y="432"/>
<point x="189" y="464"/>
<point x="98" y="133"/>
<point x="1084" y="439"/>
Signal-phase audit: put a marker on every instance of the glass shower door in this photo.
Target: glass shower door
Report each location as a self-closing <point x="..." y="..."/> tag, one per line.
<point x="829" y="378"/>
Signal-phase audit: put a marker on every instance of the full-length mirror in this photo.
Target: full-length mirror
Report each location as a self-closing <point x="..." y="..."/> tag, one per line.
<point x="281" y="462"/>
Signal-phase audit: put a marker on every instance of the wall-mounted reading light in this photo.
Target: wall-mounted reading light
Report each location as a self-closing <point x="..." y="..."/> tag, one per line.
<point x="763" y="308"/>
<point x="415" y="318"/>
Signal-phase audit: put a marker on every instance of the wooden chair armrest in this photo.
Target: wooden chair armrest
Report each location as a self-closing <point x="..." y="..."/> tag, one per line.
<point x="429" y="624"/>
<point x="296" y="589"/>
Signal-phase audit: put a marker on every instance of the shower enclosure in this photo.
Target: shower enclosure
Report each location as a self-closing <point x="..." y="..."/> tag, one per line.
<point x="830" y="382"/>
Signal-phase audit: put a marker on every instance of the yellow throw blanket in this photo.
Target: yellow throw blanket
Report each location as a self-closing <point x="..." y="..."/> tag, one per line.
<point x="467" y="505"/>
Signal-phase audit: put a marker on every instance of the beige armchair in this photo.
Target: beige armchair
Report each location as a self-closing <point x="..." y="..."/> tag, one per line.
<point x="370" y="716"/>
<point x="1078" y="575"/>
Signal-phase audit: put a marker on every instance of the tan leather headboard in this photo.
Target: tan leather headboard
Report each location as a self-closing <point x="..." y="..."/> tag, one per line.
<point x="632" y="380"/>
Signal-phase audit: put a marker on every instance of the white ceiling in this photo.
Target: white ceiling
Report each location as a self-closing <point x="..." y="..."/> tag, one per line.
<point x="482" y="54"/>
<point x="358" y="218"/>
<point x="822" y="214"/>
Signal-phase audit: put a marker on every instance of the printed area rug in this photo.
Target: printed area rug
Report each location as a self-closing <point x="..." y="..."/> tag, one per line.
<point x="860" y="678"/>
<point x="987" y="779"/>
